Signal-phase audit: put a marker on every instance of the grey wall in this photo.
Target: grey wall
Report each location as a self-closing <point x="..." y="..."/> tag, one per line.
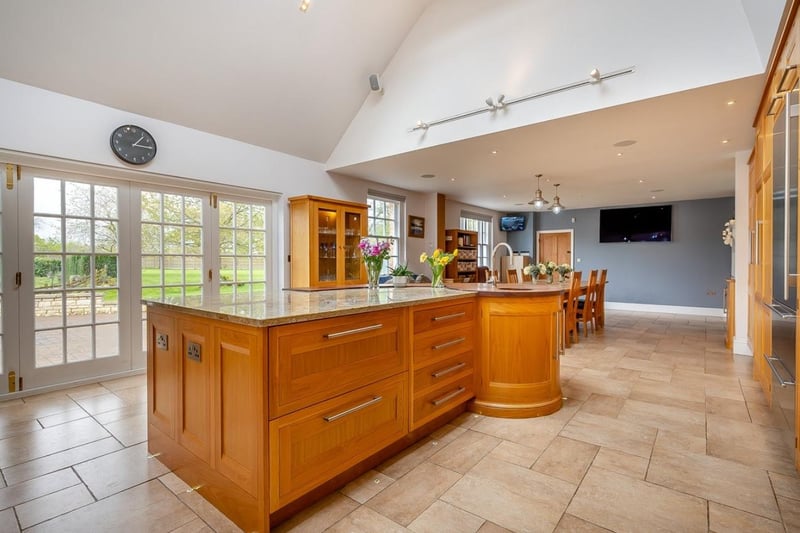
<point x="689" y="271"/>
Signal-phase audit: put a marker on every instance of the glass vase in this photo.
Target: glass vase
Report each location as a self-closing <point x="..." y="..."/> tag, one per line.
<point x="437" y="277"/>
<point x="373" y="274"/>
<point x="549" y="278"/>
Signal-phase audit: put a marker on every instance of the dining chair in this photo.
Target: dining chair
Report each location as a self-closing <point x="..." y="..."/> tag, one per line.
<point x="512" y="275"/>
<point x="571" y="309"/>
<point x="586" y="305"/>
<point x="482" y="274"/>
<point x="600" y="302"/>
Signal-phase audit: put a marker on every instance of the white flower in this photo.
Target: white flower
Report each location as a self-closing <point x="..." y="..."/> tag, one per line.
<point x="727" y="232"/>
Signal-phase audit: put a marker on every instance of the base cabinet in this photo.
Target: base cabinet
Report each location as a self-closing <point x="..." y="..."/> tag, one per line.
<point x="260" y="420"/>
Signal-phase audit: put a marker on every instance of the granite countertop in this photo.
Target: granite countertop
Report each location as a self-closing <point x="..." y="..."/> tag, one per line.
<point x="513" y="289"/>
<point x="285" y="307"/>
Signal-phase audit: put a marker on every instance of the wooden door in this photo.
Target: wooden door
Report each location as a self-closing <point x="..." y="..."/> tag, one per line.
<point x="554" y="246"/>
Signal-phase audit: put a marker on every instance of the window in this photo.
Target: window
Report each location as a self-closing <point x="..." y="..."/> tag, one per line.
<point x="483" y="225"/>
<point x="383" y="222"/>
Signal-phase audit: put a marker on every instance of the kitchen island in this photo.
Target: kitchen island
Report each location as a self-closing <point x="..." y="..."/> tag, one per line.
<point x="263" y="404"/>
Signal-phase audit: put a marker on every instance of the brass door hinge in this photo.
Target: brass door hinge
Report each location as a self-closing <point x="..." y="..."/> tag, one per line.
<point x="212" y="200"/>
<point x="18" y="279"/>
<point x="11" y="170"/>
<point x="210" y="274"/>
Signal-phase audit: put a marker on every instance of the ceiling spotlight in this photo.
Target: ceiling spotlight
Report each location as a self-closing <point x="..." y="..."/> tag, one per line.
<point x="500" y="100"/>
<point x="421" y="125"/>
<point x="556" y="208"/>
<point x="490" y="102"/>
<point x="731" y="102"/>
<point x="304" y="4"/>
<point x="594" y="76"/>
<point x="538" y="201"/>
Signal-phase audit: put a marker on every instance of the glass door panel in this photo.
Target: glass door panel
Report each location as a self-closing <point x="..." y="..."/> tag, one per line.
<point x="327" y="238"/>
<point x="242" y="247"/>
<point x="353" y="222"/>
<point x="74" y="264"/>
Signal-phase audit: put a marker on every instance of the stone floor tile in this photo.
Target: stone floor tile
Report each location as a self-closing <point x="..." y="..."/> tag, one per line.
<point x="566" y="459"/>
<point x="119" y="471"/>
<point x="405" y="461"/>
<point x="734" y="409"/>
<point x="441" y="516"/>
<point x="147" y="507"/>
<point x="621" y="463"/>
<point x="52" y="505"/>
<point x="175" y="484"/>
<point x="129" y="431"/>
<point x="126" y="382"/>
<point x="63" y="416"/>
<point x="101" y="403"/>
<point x="320" y="516"/>
<point x="29" y="446"/>
<point x="516" y="454"/>
<point x="36" y="488"/>
<point x="790" y="512"/>
<point x="57" y="461"/>
<point x="366" y="486"/>
<point x="618" y="503"/>
<point x="573" y="524"/>
<point x="409" y="496"/>
<point x="464" y="452"/>
<point x="121" y="413"/>
<point x="8" y="521"/>
<point x="616" y="434"/>
<point x="726" y="482"/>
<point x="764" y="416"/>
<point x="210" y="514"/>
<point x="723" y="519"/>
<point x="600" y="404"/>
<point x="365" y="520"/>
<point x="786" y="486"/>
<point x="491" y="527"/>
<point x="536" y="433"/>
<point x="513" y="497"/>
<point x="195" y="526"/>
<point x="670" y="418"/>
<point x="680" y="442"/>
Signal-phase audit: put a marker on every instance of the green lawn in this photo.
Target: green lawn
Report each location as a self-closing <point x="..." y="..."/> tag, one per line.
<point x="152" y="276"/>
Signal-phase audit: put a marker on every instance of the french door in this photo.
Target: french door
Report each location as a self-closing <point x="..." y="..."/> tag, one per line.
<point x="78" y="253"/>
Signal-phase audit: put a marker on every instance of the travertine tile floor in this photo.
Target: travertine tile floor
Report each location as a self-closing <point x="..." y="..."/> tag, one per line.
<point x="662" y="431"/>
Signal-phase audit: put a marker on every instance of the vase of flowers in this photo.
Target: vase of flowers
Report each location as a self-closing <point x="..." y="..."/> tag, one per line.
<point x="438" y="260"/>
<point x="532" y="271"/>
<point x="563" y="269"/>
<point x="374" y="254"/>
<point x="547" y="269"/>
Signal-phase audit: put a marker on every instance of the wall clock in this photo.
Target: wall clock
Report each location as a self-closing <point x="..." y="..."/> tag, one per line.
<point x="133" y="144"/>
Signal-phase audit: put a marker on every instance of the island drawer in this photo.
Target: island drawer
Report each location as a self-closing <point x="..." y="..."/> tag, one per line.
<point x="313" y="445"/>
<point x="443" y="371"/>
<point x="437" y="344"/>
<point x="430" y="318"/>
<point x="314" y="361"/>
<point x="430" y="404"/>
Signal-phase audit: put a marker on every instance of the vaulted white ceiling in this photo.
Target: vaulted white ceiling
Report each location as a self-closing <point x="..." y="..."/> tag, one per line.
<point x="265" y="73"/>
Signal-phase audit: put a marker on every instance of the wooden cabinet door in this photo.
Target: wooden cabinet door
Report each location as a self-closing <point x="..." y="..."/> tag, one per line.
<point x="162" y="373"/>
<point x="239" y="403"/>
<point x="194" y="404"/>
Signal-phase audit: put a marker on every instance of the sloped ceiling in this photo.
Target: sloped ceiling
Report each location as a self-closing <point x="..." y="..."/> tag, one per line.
<point x="267" y="74"/>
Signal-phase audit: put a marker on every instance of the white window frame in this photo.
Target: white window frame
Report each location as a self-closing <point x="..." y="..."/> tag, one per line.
<point x="482" y="225"/>
<point x="397" y="255"/>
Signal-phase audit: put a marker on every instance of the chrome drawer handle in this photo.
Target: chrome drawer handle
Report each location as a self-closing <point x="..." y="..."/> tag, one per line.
<point x="352" y="410"/>
<point x="450" y="370"/>
<point x="449" y="396"/>
<point x="448" y="317"/>
<point x="352" y="331"/>
<point x="773" y="359"/>
<point x="449" y="343"/>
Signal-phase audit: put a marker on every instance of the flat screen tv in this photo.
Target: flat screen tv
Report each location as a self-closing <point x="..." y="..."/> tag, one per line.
<point x="512" y="223"/>
<point x="651" y="223"/>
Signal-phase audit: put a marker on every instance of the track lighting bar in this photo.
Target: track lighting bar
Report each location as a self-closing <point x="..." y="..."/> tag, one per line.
<point x="594" y="77"/>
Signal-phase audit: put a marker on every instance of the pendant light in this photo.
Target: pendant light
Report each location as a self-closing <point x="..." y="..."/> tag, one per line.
<point x="556" y="208"/>
<point x="538" y="201"/>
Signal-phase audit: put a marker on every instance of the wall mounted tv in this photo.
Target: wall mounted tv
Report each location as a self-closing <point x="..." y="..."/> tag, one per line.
<point x="512" y="223"/>
<point x="651" y="223"/>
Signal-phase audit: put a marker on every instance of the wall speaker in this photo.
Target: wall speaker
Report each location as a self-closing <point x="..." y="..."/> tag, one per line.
<point x="375" y="83"/>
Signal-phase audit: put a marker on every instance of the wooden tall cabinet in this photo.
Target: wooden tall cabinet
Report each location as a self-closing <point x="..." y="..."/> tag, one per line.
<point x="465" y="266"/>
<point x="767" y="171"/>
<point x="325" y="237"/>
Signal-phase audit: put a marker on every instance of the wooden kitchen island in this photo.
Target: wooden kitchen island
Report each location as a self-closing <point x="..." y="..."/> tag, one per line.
<point x="265" y="404"/>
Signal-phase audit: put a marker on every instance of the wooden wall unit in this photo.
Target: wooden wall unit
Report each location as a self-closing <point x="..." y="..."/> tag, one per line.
<point x="325" y="237"/>
<point x="781" y="75"/>
<point x="465" y="265"/>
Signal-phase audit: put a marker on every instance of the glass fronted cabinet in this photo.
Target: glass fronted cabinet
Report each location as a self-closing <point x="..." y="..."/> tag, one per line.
<point x="325" y="237"/>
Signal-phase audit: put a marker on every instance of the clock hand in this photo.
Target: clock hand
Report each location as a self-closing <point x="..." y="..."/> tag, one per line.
<point x="137" y="145"/>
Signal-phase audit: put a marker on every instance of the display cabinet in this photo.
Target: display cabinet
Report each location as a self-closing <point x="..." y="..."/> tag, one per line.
<point x="465" y="266"/>
<point x="325" y="237"/>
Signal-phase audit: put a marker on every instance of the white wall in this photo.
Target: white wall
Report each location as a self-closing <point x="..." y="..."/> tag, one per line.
<point x="462" y="51"/>
<point x="44" y="123"/>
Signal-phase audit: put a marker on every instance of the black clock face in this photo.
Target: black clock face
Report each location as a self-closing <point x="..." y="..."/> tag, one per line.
<point x="133" y="145"/>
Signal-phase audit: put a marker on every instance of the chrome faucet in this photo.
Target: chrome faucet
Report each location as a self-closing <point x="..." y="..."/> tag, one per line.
<point x="492" y="279"/>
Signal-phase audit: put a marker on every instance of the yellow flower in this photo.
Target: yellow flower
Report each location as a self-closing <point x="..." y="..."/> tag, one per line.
<point x="423" y="257"/>
<point x="436" y="253"/>
<point x="455" y="252"/>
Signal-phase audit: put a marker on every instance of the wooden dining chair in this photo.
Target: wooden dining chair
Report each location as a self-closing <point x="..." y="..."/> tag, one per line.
<point x="586" y="305"/>
<point x="600" y="302"/>
<point x="571" y="309"/>
<point x="526" y="278"/>
<point x="512" y="275"/>
<point x="482" y="274"/>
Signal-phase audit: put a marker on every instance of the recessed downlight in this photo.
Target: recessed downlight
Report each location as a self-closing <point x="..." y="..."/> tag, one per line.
<point x="427" y="176"/>
<point x="452" y="179"/>
<point x="619" y="154"/>
<point x="494" y="152"/>
<point x="725" y="141"/>
<point x="730" y="102"/>
<point x="641" y="180"/>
